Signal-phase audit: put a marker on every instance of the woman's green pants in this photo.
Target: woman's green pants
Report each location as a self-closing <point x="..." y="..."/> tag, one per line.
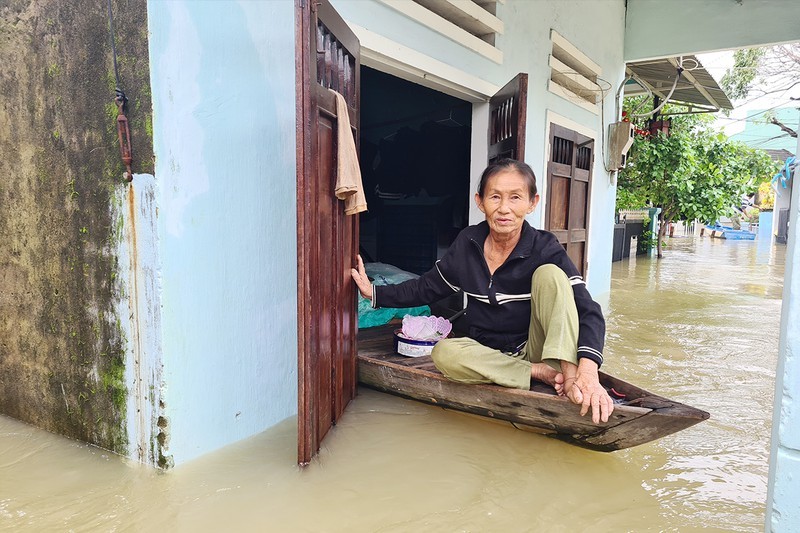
<point x="552" y="337"/>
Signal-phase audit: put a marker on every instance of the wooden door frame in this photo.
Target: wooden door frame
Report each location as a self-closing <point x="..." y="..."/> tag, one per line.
<point x="304" y="153"/>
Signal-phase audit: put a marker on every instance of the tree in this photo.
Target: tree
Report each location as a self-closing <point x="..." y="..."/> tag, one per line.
<point x="739" y="79"/>
<point x="694" y="173"/>
<point x="757" y="72"/>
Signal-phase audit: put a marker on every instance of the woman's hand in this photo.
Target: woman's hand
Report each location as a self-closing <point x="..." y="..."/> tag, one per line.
<point x="587" y="391"/>
<point x="361" y="279"/>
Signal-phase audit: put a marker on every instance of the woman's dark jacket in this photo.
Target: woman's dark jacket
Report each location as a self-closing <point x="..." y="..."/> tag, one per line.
<point x="499" y="306"/>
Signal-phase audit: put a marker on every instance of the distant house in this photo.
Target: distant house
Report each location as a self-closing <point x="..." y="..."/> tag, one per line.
<point x="759" y="132"/>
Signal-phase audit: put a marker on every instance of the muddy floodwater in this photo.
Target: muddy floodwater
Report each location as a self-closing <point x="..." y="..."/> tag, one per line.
<point x="699" y="326"/>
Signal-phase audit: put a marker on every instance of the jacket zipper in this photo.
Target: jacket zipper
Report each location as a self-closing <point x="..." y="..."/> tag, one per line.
<point x="483" y="256"/>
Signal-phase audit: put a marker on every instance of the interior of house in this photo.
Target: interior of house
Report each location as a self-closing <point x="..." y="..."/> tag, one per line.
<point x="415" y="161"/>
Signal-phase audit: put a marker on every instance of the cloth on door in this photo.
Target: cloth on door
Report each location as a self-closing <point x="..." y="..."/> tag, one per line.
<point x="348" y="173"/>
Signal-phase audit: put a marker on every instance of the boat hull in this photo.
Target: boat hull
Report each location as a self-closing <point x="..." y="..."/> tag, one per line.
<point x="642" y="417"/>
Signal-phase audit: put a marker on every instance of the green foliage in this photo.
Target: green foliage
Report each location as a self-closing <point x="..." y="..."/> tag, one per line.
<point x="648" y="239"/>
<point x="761" y="71"/>
<point x="694" y="173"/>
<point x="738" y="80"/>
<point x="630" y="197"/>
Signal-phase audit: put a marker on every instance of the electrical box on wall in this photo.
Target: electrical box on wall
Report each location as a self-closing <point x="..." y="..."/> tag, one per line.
<point x="620" y="139"/>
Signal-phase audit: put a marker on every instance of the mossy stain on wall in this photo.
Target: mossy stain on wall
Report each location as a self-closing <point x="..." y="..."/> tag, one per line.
<point x="62" y="362"/>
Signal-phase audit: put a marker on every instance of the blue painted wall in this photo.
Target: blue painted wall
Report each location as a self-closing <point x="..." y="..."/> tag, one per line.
<point x="224" y="134"/>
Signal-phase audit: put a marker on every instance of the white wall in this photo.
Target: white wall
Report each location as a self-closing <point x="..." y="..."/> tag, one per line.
<point x="660" y="28"/>
<point x="223" y="82"/>
<point x="595" y="27"/>
<point x="139" y="311"/>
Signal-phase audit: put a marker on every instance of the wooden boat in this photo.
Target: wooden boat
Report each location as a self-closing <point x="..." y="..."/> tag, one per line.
<point x="641" y="417"/>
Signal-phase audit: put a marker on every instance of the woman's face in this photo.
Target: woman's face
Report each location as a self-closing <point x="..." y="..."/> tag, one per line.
<point x="506" y="200"/>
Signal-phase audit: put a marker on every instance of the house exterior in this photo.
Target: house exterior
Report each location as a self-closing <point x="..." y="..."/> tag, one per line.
<point x="751" y="127"/>
<point x="222" y="276"/>
<point x="248" y="83"/>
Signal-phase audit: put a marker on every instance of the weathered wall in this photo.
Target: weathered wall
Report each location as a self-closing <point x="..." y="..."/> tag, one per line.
<point x="61" y="343"/>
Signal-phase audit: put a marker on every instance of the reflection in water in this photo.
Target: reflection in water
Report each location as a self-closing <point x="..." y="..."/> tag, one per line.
<point x="700" y="326"/>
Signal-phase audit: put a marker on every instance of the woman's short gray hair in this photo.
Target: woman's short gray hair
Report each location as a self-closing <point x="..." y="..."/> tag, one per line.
<point x="505" y="165"/>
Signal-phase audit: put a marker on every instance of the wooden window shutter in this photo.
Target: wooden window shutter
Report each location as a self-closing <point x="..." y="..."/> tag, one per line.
<point x="507" y="120"/>
<point x="569" y="175"/>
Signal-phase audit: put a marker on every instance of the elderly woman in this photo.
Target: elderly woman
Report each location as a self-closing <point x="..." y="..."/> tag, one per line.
<point x="528" y="311"/>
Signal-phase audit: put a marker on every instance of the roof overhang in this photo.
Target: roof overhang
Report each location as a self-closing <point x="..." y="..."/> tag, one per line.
<point x="695" y="92"/>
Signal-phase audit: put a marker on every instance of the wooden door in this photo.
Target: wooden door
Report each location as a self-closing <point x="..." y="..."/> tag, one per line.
<point x="569" y="176"/>
<point x="327" y="239"/>
<point x="507" y="120"/>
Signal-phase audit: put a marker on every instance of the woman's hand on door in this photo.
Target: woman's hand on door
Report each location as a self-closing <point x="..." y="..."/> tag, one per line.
<point x="362" y="281"/>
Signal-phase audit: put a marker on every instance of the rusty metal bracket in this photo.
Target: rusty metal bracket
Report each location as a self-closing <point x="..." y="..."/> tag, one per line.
<point x="124" y="136"/>
<point x="123" y="129"/>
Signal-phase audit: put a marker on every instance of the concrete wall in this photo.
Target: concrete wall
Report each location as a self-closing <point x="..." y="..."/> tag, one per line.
<point x="661" y="28"/>
<point x="224" y="136"/>
<point x="596" y="28"/>
<point x="62" y="344"/>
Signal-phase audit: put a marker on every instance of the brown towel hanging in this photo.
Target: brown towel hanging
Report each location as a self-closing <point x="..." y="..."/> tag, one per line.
<point x="348" y="172"/>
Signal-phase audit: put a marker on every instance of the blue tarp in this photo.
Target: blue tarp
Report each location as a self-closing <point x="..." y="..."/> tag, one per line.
<point x="383" y="274"/>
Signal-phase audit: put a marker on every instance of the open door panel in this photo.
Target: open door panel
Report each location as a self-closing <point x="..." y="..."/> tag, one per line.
<point x="327" y="239"/>
<point x="507" y="120"/>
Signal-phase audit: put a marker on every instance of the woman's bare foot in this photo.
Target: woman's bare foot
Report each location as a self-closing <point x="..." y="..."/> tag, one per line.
<point x="546" y="374"/>
<point x="559" y="385"/>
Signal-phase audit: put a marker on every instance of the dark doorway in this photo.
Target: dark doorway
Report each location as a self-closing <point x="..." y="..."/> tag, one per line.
<point x="415" y="161"/>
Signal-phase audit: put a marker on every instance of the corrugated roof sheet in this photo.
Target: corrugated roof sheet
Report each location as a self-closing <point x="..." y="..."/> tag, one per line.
<point x="696" y="87"/>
